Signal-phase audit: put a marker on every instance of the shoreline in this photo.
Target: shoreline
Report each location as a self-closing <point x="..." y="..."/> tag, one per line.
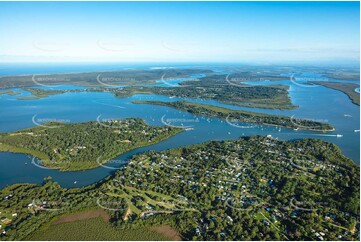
<point x="342" y="89"/>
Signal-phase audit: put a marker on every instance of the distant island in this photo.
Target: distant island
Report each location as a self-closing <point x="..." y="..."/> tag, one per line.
<point x="216" y="87"/>
<point x="210" y="86"/>
<point x="111" y="78"/>
<point x="37" y="93"/>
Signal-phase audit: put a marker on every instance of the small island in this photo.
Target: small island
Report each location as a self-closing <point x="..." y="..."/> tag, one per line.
<point x="81" y="146"/>
<point x="37" y="93"/>
<point x="240" y="116"/>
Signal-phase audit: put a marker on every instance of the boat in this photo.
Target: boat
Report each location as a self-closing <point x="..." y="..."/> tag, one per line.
<point x="339" y="135"/>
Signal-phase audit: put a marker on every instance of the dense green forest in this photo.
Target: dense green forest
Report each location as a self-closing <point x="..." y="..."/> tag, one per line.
<point x="80" y="146"/>
<point x="253" y="188"/>
<point x="240" y="116"/>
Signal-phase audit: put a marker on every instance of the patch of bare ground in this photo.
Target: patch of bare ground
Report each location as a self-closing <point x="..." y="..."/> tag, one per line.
<point x="127" y="214"/>
<point x="167" y="231"/>
<point x="82" y="216"/>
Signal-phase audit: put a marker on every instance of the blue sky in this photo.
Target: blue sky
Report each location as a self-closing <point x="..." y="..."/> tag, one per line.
<point x="179" y="31"/>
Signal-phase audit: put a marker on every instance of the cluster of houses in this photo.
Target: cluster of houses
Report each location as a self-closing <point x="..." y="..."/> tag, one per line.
<point x="230" y="180"/>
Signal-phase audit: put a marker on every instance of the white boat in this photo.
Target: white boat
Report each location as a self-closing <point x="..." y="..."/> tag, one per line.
<point x="339" y="135"/>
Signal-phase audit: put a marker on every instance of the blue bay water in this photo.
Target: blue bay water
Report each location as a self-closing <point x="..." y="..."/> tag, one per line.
<point x="316" y="103"/>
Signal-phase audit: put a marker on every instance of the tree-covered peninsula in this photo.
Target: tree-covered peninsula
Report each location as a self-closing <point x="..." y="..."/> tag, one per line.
<point x="81" y="146"/>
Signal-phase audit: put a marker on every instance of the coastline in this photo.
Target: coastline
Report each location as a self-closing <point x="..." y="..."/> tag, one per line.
<point x="338" y="86"/>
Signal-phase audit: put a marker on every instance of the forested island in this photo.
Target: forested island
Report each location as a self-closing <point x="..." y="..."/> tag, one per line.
<point x="253" y="188"/>
<point x="216" y="87"/>
<point x="81" y="146"/>
<point x="253" y="96"/>
<point x="37" y="93"/>
<point x="240" y="116"/>
<point x="209" y="85"/>
<point x="274" y="97"/>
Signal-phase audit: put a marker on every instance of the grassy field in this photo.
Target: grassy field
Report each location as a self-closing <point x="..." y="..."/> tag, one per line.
<point x="94" y="229"/>
<point x="347" y="88"/>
